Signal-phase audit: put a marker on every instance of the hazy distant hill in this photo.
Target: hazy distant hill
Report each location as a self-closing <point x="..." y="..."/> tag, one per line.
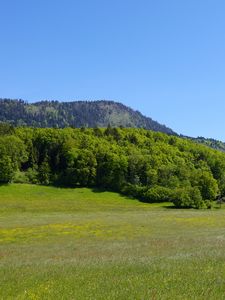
<point x="75" y="114"/>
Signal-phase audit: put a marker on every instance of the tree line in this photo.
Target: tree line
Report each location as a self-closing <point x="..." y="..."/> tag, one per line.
<point x="150" y="166"/>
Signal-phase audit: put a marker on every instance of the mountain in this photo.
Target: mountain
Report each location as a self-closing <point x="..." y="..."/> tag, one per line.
<point x="85" y="114"/>
<point x="212" y="143"/>
<point x="75" y="114"/>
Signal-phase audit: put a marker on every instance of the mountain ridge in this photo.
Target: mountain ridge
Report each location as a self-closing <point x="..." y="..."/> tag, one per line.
<point x="98" y="113"/>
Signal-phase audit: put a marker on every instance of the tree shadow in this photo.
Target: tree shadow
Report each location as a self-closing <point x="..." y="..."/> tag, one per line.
<point x="101" y="190"/>
<point x="170" y="207"/>
<point x="4" y="184"/>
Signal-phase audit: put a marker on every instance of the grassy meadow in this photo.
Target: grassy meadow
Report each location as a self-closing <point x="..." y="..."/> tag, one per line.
<point x="84" y="244"/>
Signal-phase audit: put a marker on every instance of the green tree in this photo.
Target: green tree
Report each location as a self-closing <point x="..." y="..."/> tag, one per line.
<point x="44" y="173"/>
<point x="6" y="169"/>
<point x="208" y="186"/>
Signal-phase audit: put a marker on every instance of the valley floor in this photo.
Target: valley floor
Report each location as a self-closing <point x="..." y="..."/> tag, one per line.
<point x="83" y="244"/>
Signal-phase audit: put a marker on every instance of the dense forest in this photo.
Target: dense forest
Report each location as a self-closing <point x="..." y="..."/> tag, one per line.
<point x="151" y="166"/>
<point x="75" y="114"/>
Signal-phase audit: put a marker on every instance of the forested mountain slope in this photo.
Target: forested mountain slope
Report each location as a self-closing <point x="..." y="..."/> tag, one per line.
<point x="75" y="114"/>
<point x="212" y="143"/>
<point x="84" y="114"/>
<point x="151" y="166"/>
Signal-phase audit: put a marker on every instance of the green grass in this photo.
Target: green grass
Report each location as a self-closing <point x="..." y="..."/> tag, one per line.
<point x="83" y="244"/>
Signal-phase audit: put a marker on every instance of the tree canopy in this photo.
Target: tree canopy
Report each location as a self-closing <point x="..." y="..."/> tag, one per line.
<point x="151" y="166"/>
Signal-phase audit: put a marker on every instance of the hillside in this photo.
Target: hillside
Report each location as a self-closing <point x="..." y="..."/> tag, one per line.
<point x="209" y="142"/>
<point x="212" y="143"/>
<point x="150" y="166"/>
<point x="88" y="114"/>
<point x="75" y="114"/>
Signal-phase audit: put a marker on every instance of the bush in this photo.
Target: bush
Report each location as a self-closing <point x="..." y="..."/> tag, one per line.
<point x="158" y="194"/>
<point x="135" y="191"/>
<point x="208" y="204"/>
<point x="188" y="197"/>
<point x="20" y="177"/>
<point x="32" y="175"/>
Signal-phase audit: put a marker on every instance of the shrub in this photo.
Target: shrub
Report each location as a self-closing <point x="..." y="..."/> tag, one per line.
<point x="20" y="177"/>
<point x="188" y="197"/>
<point x="208" y="204"/>
<point x="158" y="194"/>
<point x="135" y="191"/>
<point x="32" y="175"/>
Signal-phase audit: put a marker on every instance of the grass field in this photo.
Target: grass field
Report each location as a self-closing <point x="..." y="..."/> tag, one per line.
<point x="82" y="244"/>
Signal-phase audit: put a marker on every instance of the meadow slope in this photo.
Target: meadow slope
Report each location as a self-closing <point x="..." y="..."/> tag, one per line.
<point x="87" y="244"/>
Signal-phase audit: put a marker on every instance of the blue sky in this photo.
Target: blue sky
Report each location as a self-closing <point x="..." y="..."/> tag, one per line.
<point x="163" y="58"/>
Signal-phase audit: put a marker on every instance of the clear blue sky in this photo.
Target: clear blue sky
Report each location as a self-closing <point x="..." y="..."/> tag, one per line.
<point x="165" y="58"/>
